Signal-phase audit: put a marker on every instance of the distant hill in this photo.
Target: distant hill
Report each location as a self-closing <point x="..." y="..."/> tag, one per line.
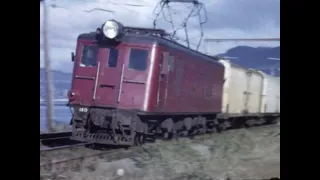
<point x="255" y="58"/>
<point x="246" y="56"/>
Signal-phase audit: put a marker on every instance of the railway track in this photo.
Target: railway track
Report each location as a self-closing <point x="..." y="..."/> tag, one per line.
<point x="59" y="144"/>
<point x="57" y="141"/>
<point x="79" y="157"/>
<point x="46" y="149"/>
<point x="55" y="135"/>
<point x="74" y="157"/>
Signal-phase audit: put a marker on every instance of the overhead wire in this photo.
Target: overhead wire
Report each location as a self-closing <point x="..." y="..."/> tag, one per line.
<point x="174" y="35"/>
<point x="194" y="10"/>
<point x="123" y="6"/>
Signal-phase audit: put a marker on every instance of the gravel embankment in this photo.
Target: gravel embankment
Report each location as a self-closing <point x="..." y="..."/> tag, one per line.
<point x="239" y="154"/>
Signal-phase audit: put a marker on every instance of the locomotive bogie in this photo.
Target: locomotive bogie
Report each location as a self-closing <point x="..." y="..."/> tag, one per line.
<point x="107" y="126"/>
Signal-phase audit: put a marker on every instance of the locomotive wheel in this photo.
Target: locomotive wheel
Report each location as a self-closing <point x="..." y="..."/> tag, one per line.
<point x="275" y="120"/>
<point x="214" y="130"/>
<point x="222" y="127"/>
<point x="139" y="139"/>
<point x="166" y="135"/>
<point x="174" y="135"/>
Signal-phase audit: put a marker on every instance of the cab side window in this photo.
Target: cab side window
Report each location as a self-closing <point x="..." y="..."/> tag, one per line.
<point x="138" y="59"/>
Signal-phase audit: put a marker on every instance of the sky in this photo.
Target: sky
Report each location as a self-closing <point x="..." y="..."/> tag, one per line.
<point x="225" y="19"/>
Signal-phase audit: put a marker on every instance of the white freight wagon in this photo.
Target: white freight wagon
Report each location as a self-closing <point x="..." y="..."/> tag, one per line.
<point x="271" y="94"/>
<point x="242" y="90"/>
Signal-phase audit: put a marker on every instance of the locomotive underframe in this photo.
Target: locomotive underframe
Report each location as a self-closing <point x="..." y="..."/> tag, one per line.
<point x="130" y="127"/>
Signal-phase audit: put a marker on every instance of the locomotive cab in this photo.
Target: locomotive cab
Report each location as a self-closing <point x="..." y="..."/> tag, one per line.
<point x="110" y="71"/>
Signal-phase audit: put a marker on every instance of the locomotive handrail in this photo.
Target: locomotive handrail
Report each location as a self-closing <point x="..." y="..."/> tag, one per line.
<point x="96" y="82"/>
<point x="121" y="80"/>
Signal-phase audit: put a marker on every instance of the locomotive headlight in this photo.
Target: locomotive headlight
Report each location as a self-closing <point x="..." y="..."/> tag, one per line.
<point x="111" y="29"/>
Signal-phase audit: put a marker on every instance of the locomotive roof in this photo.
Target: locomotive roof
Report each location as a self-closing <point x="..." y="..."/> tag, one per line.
<point x="148" y="39"/>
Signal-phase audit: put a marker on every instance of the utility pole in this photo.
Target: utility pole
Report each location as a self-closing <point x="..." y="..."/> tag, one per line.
<point x="49" y="86"/>
<point x="47" y="65"/>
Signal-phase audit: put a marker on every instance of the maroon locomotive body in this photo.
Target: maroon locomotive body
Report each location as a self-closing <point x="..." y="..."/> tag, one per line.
<point x="146" y="74"/>
<point x="140" y="84"/>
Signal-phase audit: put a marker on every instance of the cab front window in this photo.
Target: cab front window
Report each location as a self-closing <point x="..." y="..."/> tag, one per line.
<point x="113" y="57"/>
<point x="89" y="56"/>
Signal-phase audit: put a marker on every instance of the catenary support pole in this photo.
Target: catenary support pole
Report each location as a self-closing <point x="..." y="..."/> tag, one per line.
<point x="47" y="65"/>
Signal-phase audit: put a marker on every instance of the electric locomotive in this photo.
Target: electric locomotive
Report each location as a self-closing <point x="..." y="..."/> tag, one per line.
<point x="132" y="83"/>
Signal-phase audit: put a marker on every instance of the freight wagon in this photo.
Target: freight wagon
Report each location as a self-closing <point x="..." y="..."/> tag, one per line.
<point x="249" y="93"/>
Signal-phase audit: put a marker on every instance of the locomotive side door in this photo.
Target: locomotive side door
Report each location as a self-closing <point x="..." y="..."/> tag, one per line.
<point x="108" y="84"/>
<point x="136" y="68"/>
<point x="163" y="80"/>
